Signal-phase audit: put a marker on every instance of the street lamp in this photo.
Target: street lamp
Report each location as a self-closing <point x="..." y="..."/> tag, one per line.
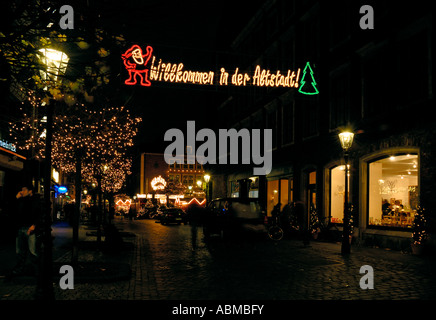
<point x="56" y="64"/>
<point x="207" y="179"/>
<point x="346" y="139"/>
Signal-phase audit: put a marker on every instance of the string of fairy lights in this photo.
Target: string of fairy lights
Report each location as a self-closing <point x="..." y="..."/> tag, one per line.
<point x="419" y="234"/>
<point x="102" y="138"/>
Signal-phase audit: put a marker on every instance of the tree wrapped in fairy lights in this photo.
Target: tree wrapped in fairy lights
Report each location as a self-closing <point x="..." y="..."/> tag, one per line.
<point x="98" y="138"/>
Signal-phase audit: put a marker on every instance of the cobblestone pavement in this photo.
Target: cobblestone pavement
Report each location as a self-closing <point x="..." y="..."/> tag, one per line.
<point x="174" y="263"/>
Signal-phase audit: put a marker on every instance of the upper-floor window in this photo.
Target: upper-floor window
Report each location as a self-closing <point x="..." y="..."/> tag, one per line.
<point x="339" y="100"/>
<point x="288" y="123"/>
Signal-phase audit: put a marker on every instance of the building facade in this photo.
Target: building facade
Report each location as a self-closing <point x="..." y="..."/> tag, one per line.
<point x="364" y="83"/>
<point x="186" y="178"/>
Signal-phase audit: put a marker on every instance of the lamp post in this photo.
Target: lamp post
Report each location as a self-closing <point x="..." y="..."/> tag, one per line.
<point x="56" y="64"/>
<point x="207" y="179"/>
<point x="346" y="139"/>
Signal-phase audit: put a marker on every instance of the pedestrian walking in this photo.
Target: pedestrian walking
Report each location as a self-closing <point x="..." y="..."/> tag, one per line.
<point x="27" y="220"/>
<point x="276" y="214"/>
<point x="194" y="218"/>
<point x="302" y="222"/>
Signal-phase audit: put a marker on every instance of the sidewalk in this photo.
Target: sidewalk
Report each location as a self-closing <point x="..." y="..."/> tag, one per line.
<point x="96" y="264"/>
<point x="139" y="271"/>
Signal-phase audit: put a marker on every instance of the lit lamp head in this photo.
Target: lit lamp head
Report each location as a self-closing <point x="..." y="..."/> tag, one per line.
<point x="346" y="139"/>
<point x="56" y="62"/>
<point x="207" y="178"/>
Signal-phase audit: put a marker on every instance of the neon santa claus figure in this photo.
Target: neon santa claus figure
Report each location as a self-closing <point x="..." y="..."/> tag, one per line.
<point x="136" y="65"/>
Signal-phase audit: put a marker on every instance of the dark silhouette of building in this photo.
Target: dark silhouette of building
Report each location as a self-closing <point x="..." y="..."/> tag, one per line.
<point x="377" y="83"/>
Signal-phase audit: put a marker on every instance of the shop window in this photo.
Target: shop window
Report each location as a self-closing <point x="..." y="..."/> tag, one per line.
<point x="273" y="195"/>
<point x="254" y="188"/>
<point x="284" y="192"/>
<point x="234" y="189"/>
<point x="337" y="193"/>
<point x="278" y="191"/>
<point x="393" y="191"/>
<point x="311" y="192"/>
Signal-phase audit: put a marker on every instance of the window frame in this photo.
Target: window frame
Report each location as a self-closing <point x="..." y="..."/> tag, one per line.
<point x="381" y="156"/>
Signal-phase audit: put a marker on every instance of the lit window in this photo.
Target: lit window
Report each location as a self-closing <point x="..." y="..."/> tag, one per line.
<point x="393" y="191"/>
<point x="337" y="194"/>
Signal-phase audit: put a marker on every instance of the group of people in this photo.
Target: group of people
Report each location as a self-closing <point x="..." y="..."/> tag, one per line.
<point x="392" y="210"/>
<point x="291" y="217"/>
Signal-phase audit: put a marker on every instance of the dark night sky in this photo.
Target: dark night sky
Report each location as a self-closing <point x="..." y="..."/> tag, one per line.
<point x="193" y="32"/>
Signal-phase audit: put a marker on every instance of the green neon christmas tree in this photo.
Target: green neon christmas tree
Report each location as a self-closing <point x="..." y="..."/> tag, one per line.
<point x="310" y="89"/>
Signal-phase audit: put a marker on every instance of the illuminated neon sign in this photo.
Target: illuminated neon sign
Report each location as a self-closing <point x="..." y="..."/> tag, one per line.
<point x="184" y="203"/>
<point x="61" y="189"/>
<point x="123" y="203"/>
<point x="8" y="145"/>
<point x="138" y="66"/>
<point x="306" y="88"/>
<point x="158" y="183"/>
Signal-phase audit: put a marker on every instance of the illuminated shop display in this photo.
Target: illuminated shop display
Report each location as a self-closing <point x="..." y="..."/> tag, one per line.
<point x="147" y="68"/>
<point x="393" y="191"/>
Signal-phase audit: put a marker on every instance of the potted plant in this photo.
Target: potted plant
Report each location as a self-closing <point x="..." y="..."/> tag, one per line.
<point x="419" y="234"/>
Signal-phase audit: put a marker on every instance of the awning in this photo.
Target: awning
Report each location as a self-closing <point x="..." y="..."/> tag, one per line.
<point x="281" y="171"/>
<point x="277" y="172"/>
<point x="9" y="162"/>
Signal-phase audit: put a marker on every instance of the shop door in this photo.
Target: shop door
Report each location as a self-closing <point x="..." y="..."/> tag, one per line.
<point x="311" y="194"/>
